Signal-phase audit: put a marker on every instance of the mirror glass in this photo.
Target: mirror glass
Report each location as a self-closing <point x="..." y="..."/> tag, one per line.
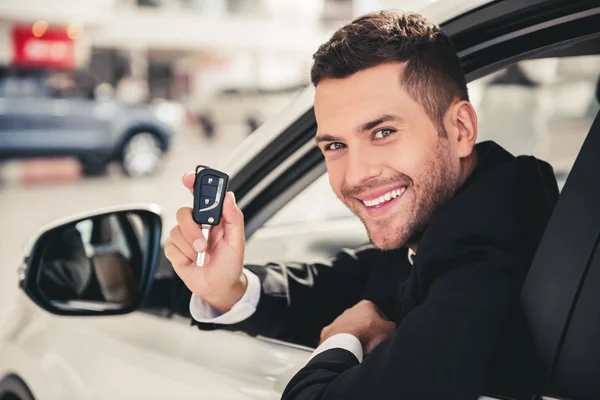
<point x="94" y="264"/>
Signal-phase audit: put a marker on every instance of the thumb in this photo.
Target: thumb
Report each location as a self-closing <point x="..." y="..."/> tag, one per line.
<point x="233" y="221"/>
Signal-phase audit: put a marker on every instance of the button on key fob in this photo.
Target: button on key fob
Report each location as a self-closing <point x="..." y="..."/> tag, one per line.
<point x="210" y="188"/>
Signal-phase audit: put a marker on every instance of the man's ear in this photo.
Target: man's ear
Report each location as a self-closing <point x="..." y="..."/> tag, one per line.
<point x="463" y="123"/>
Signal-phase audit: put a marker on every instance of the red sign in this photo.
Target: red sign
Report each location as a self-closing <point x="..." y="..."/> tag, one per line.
<point x="52" y="49"/>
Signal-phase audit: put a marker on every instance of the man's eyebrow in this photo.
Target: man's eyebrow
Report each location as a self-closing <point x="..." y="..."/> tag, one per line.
<point x="365" y="127"/>
<point x="372" y="124"/>
<point x="326" y="138"/>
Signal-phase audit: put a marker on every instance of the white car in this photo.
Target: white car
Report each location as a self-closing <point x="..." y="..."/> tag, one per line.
<point x="99" y="347"/>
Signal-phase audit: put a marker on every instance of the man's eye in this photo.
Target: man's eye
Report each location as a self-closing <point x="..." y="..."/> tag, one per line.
<point x="382" y="133"/>
<point x="334" y="146"/>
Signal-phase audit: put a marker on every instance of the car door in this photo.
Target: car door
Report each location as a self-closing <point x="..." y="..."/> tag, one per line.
<point x="84" y="124"/>
<point x="24" y="116"/>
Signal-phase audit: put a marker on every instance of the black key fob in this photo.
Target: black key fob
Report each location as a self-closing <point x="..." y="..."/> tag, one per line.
<point x="210" y="188"/>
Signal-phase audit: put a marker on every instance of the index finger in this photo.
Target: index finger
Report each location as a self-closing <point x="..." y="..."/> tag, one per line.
<point x="188" y="180"/>
<point x="190" y="229"/>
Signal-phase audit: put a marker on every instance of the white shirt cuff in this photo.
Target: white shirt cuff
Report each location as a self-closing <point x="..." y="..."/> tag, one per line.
<point x="341" y="341"/>
<point x="201" y="311"/>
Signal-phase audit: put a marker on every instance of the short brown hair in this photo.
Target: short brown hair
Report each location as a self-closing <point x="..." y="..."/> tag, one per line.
<point x="433" y="75"/>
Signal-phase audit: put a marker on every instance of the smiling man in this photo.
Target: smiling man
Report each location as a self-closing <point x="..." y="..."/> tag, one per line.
<point x="387" y="158"/>
<point x="431" y="310"/>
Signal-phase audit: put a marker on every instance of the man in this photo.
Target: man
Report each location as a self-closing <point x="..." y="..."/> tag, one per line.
<point x="432" y="311"/>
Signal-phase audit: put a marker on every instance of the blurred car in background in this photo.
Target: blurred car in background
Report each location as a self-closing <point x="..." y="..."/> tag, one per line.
<point x="248" y="106"/>
<point x="36" y="121"/>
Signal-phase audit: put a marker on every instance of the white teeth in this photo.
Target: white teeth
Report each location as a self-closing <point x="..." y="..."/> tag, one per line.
<point x="386" y="197"/>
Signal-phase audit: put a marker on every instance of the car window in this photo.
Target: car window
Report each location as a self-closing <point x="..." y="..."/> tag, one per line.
<point x="316" y="203"/>
<point x="14" y="86"/>
<point x="17" y="83"/>
<point x="541" y="107"/>
<point x="312" y="227"/>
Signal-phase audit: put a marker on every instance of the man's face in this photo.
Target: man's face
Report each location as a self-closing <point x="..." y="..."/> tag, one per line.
<point x="385" y="157"/>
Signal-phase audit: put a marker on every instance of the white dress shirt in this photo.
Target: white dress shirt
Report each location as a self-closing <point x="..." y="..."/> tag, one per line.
<point x="201" y="311"/>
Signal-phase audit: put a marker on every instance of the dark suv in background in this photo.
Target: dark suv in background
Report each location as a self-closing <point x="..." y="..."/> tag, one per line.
<point x="37" y="120"/>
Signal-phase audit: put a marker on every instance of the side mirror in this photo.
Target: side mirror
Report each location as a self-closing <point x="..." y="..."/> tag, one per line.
<point x="101" y="263"/>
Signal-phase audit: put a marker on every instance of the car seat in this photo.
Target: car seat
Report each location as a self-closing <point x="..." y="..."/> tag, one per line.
<point x="561" y="294"/>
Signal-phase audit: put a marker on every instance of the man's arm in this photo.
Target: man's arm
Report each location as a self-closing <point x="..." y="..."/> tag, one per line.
<point x="441" y="349"/>
<point x="297" y="300"/>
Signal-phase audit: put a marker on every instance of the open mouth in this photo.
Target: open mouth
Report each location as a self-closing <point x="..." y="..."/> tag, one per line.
<point x="384" y="198"/>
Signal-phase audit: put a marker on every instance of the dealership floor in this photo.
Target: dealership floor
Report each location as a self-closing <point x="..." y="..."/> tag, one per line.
<point x="27" y="205"/>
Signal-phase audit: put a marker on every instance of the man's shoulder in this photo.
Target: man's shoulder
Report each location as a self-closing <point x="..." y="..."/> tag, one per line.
<point x="511" y="191"/>
<point x="507" y="206"/>
<point x="504" y="189"/>
<point x="499" y="170"/>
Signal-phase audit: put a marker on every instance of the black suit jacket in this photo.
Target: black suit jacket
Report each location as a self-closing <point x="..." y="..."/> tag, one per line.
<point x="460" y="328"/>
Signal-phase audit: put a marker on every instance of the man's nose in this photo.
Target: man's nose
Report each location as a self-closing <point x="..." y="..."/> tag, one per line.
<point x="362" y="166"/>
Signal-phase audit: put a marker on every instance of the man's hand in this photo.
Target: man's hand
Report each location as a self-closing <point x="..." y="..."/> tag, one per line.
<point x="364" y="321"/>
<point x="220" y="281"/>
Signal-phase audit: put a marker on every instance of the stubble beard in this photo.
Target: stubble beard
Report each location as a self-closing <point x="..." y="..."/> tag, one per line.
<point x="437" y="185"/>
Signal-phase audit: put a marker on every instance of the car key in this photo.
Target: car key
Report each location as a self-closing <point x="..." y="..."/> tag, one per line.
<point x="210" y="187"/>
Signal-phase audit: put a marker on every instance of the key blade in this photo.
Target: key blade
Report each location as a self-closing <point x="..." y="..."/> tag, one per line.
<point x="200" y="258"/>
